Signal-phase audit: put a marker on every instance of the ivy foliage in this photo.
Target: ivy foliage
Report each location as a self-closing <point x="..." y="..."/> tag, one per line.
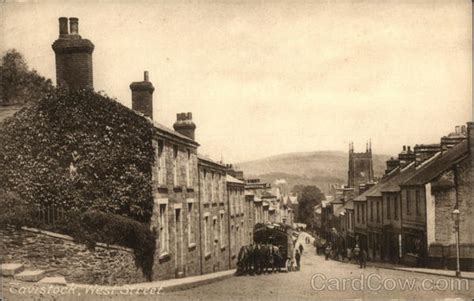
<point x="79" y="150"/>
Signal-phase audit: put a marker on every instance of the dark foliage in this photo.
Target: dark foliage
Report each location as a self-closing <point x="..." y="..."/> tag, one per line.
<point x="79" y="150"/>
<point x="308" y="197"/>
<point x="19" y="85"/>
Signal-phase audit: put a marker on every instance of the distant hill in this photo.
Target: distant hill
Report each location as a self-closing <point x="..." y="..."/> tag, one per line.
<point x="306" y="168"/>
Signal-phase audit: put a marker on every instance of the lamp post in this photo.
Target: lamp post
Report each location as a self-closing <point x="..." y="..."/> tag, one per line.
<point x="456" y="228"/>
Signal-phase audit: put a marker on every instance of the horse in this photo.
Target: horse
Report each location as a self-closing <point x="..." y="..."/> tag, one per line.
<point x="242" y="260"/>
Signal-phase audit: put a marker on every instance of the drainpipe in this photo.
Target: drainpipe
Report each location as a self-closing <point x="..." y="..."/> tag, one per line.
<point x="200" y="221"/>
<point x="228" y="227"/>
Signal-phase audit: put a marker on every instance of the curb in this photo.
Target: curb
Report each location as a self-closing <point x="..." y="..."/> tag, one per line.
<point x="424" y="272"/>
<point x="192" y="284"/>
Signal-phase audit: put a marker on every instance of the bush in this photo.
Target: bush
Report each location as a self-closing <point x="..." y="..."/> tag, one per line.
<point x="91" y="227"/>
<point x="15" y="211"/>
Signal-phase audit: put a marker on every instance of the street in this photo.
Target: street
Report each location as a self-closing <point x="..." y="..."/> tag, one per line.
<point x="317" y="279"/>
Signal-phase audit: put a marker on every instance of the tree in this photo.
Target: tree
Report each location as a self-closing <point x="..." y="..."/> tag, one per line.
<point x="308" y="197"/>
<point x="18" y="84"/>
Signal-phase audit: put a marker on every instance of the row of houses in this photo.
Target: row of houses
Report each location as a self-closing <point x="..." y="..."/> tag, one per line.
<point x="204" y="210"/>
<point x="409" y="215"/>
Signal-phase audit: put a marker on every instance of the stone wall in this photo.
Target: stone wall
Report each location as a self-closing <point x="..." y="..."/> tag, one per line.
<point x="59" y="255"/>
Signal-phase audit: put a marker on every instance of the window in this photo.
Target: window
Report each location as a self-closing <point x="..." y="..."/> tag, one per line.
<point x="164" y="234"/>
<point x="417" y="202"/>
<point x="371" y="211"/>
<point x="205" y="235"/>
<point x="190" y="225"/>
<point x="204" y="186"/>
<point x="389" y="200"/>
<point x="378" y="216"/>
<point x="221" y="229"/>
<point x="363" y="213"/>
<point x="219" y="188"/>
<point x="175" y="165"/>
<point x="161" y="163"/>
<point x="358" y="213"/>
<point x="215" y="231"/>
<point x="188" y="170"/>
<point x="395" y="207"/>
<point x="241" y="234"/>
<point x="212" y="187"/>
<point x="407" y="192"/>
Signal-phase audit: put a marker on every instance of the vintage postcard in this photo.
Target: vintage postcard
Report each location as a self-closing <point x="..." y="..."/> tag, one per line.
<point x="236" y="150"/>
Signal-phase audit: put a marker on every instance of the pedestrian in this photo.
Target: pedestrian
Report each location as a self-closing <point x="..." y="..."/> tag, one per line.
<point x="363" y="259"/>
<point x="297" y="258"/>
<point x="327" y="251"/>
<point x="356" y="253"/>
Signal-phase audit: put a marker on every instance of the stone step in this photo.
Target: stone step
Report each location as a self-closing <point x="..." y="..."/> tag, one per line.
<point x="11" y="269"/>
<point x="59" y="280"/>
<point x="30" y="275"/>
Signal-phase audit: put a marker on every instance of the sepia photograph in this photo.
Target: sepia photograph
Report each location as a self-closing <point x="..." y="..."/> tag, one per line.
<point x="236" y="150"/>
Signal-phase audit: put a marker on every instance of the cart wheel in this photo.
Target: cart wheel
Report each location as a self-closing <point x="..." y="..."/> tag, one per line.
<point x="288" y="265"/>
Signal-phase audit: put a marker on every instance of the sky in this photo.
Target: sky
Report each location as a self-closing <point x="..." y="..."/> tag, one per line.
<point x="269" y="77"/>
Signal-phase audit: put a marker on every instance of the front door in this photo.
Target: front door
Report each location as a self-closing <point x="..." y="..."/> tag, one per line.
<point x="179" y="243"/>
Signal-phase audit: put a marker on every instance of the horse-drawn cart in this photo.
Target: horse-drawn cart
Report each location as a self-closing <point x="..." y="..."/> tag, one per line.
<point x="278" y="235"/>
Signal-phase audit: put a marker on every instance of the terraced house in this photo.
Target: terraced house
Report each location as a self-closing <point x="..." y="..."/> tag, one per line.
<point x="200" y="213"/>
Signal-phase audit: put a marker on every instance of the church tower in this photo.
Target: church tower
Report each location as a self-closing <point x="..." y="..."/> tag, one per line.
<point x="361" y="168"/>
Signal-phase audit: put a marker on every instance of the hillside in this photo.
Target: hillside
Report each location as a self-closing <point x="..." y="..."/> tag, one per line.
<point x="306" y="168"/>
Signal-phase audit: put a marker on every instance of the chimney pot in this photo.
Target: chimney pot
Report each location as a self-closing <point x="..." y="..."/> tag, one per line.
<point x="457" y="129"/>
<point x="74" y="25"/>
<point x="145" y="75"/>
<point x="63" y="31"/>
<point x="408" y="149"/>
<point x="463" y="129"/>
<point x="190" y="116"/>
<point x="404" y="148"/>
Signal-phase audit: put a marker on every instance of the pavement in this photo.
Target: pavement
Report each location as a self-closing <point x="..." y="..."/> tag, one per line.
<point x="318" y="278"/>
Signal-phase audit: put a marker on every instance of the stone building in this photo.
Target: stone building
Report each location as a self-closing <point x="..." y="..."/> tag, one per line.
<point x="214" y="214"/>
<point x="429" y="197"/>
<point x="201" y="212"/>
<point x="238" y="220"/>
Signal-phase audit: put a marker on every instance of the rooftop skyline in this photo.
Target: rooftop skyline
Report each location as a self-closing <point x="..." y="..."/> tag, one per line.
<point x="265" y="79"/>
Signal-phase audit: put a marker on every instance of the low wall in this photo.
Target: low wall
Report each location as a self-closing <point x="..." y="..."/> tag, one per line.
<point x="59" y="255"/>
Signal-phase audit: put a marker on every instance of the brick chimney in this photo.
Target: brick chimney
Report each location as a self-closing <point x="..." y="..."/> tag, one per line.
<point x="392" y="163"/>
<point x="453" y="138"/>
<point x="142" y="96"/>
<point x="425" y="151"/>
<point x="73" y="56"/>
<point x="470" y="141"/>
<point x="406" y="156"/>
<point x="184" y="124"/>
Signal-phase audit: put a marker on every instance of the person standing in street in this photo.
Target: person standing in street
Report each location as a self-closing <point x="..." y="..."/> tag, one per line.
<point x="363" y="259"/>
<point x="327" y="251"/>
<point x="297" y="258"/>
<point x="356" y="253"/>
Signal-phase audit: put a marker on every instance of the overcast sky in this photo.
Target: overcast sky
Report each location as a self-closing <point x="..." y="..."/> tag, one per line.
<point x="270" y="77"/>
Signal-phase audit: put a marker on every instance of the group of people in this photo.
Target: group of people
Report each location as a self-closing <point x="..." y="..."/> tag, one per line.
<point x="358" y="254"/>
<point x="259" y="259"/>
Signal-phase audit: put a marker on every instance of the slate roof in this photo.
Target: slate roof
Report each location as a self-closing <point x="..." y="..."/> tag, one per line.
<point x="231" y="179"/>
<point x="374" y="191"/>
<point x="439" y="165"/>
<point x="393" y="184"/>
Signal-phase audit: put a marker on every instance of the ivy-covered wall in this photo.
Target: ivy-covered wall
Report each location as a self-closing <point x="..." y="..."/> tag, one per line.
<point x="79" y="150"/>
